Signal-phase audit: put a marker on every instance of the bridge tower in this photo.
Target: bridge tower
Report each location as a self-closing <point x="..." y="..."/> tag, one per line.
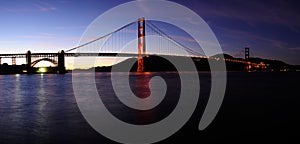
<point x="61" y="62"/>
<point x="141" y="44"/>
<point x="28" y="61"/>
<point x="28" y="58"/>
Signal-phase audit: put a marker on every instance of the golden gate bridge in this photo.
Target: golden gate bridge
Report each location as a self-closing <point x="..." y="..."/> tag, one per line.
<point x="111" y="45"/>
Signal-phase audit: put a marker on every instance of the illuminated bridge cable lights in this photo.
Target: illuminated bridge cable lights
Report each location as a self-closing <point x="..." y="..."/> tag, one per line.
<point x="116" y="40"/>
<point x="162" y="34"/>
<point x="104" y="38"/>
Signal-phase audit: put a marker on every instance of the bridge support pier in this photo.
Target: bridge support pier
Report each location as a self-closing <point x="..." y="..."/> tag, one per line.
<point x="141" y="44"/>
<point x="14" y="62"/>
<point x="61" y="62"/>
<point x="28" y="58"/>
<point x="28" y="61"/>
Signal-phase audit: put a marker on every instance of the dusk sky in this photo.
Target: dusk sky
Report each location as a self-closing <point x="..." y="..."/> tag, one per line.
<point x="271" y="28"/>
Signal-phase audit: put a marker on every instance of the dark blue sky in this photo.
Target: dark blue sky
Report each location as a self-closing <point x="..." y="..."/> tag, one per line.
<point x="271" y="28"/>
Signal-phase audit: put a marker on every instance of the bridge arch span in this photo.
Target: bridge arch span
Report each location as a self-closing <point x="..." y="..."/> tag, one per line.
<point x="44" y="59"/>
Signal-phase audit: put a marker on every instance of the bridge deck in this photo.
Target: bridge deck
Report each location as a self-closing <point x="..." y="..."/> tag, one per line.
<point x="81" y="55"/>
<point x="67" y="55"/>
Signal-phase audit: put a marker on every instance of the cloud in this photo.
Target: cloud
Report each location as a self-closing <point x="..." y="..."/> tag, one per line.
<point x="295" y="49"/>
<point x="45" y="7"/>
<point x="239" y="35"/>
<point x="255" y="12"/>
<point x="37" y="37"/>
<point x="51" y="37"/>
<point x="16" y="10"/>
<point x="9" y="42"/>
<point x="70" y="27"/>
<point x="29" y="7"/>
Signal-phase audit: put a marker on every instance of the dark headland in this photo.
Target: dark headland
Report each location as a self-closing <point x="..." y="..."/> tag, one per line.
<point x="156" y="63"/>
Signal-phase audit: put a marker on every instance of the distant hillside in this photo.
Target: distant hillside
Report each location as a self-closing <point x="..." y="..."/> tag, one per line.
<point x="156" y="63"/>
<point x="275" y="65"/>
<point x="152" y="63"/>
<point x="271" y="65"/>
